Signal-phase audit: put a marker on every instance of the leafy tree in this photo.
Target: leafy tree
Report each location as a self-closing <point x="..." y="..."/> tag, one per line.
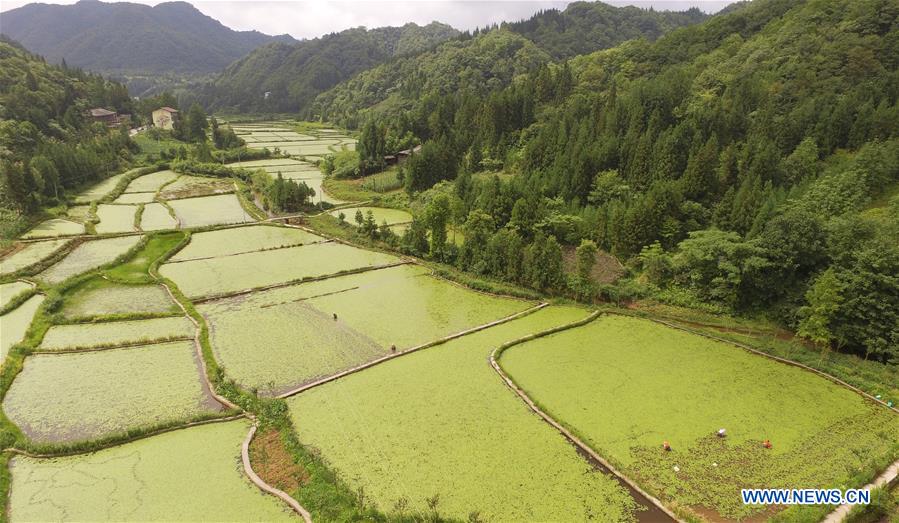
<point x="720" y="266"/>
<point x="543" y="263"/>
<point x="824" y="301"/>
<point x="288" y="195"/>
<point x="479" y="228"/>
<point x="195" y="124"/>
<point x="433" y="163"/>
<point x="656" y="263"/>
<point x="608" y="186"/>
<point x="802" y="163"/>
<point x="437" y="216"/>
<point x="371" y="148"/>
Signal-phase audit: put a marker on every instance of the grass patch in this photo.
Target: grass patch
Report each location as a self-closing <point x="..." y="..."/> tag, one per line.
<point x="382" y="182"/>
<point x="135" y="269"/>
<point x="380" y="215"/>
<point x="189" y="186"/>
<point x="348" y="190"/>
<point x="274" y="464"/>
<point x="150" y="147"/>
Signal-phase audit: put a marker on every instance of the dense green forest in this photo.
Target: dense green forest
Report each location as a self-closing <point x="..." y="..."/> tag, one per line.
<point x="748" y="164"/>
<point x="584" y="27"/>
<point x="293" y="74"/>
<point x="487" y="60"/>
<point x="49" y="145"/>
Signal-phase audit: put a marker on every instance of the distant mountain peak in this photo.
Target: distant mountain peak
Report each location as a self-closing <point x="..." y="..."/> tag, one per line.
<point x="129" y="38"/>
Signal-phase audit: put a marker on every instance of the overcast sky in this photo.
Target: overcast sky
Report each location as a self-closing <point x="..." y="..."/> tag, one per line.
<point x="312" y="18"/>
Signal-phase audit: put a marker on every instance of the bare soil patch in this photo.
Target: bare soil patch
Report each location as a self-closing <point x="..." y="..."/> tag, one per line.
<point x="607" y="268"/>
<point x="274" y="464"/>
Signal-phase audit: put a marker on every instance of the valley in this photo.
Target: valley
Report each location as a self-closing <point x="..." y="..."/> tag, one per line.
<point x="604" y="263"/>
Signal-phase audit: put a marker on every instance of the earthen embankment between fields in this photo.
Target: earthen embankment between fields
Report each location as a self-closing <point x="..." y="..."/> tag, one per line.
<point x="429" y="344"/>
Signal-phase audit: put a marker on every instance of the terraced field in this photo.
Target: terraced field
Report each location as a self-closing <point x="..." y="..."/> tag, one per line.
<point x="221" y="209"/>
<point x="9" y="291"/>
<point x="73" y="397"/>
<point x="115" y="333"/>
<point x="29" y="254"/>
<point x="134" y="197"/>
<point x="185" y="475"/>
<point x="309" y="147"/>
<point x="106" y="299"/>
<point x="150" y="183"/>
<point x="626" y="385"/>
<point x="299" y="171"/>
<point x="89" y="255"/>
<point x="256" y="336"/>
<point x="115" y="218"/>
<point x="100" y="190"/>
<point x="225" y="242"/>
<point x="53" y="228"/>
<point x="14" y="324"/>
<point x="212" y="276"/>
<point x="432" y="431"/>
<point x="156" y="217"/>
<point x="448" y="410"/>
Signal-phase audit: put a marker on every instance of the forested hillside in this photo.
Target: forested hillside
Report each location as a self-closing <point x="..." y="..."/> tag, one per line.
<point x="488" y="60"/>
<point x="293" y="74"/>
<point x="122" y="38"/>
<point x="480" y="65"/>
<point x="746" y="164"/>
<point x="48" y="145"/>
<point x="584" y="27"/>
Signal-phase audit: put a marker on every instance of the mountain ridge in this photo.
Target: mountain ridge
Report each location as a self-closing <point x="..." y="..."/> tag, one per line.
<point x="123" y="37"/>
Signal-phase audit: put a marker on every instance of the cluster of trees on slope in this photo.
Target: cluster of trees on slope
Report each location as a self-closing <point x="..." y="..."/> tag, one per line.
<point x="127" y="37"/>
<point x="48" y="143"/>
<point x="584" y="27"/>
<point x="294" y="74"/>
<point x="487" y="60"/>
<point x="728" y="160"/>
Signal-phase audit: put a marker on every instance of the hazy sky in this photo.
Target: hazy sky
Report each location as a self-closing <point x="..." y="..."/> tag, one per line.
<point x="311" y="18"/>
